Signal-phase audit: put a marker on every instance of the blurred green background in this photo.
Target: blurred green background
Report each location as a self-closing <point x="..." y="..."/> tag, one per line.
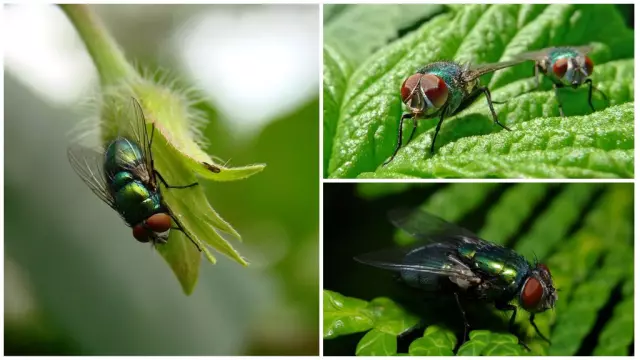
<point x="76" y="282"/>
<point x="582" y="232"/>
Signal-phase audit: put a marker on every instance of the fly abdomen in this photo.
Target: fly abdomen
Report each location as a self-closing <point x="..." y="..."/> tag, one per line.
<point x="497" y="263"/>
<point x="136" y="202"/>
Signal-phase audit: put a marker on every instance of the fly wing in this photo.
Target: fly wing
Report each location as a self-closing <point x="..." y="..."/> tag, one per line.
<point x="429" y="228"/>
<point x="87" y="163"/>
<point x="539" y="54"/>
<point x="436" y="258"/>
<point x="141" y="135"/>
<point x="475" y="71"/>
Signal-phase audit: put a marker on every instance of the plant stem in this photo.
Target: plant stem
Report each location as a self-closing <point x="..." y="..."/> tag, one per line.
<point x="109" y="59"/>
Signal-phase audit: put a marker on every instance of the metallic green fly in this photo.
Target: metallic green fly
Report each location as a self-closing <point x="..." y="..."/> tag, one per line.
<point x="449" y="260"/>
<point x="565" y="67"/>
<point x="123" y="176"/>
<point x="440" y="88"/>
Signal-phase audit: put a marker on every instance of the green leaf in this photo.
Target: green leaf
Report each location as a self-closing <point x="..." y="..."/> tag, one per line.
<point x="377" y="343"/>
<point x="582" y="145"/>
<point x="381" y="21"/>
<point x="390" y="317"/>
<point x="437" y="341"/>
<point x="344" y="315"/>
<point x="176" y="148"/>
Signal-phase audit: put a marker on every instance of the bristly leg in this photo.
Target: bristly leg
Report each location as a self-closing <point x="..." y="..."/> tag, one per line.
<point x="493" y="112"/>
<point x="509" y="307"/>
<point x="537" y="330"/>
<point x="155" y="172"/>
<point x="181" y="229"/>
<point x="590" y="82"/>
<point x="172" y="186"/>
<point x="399" y="143"/>
<point x="556" y="87"/>
<point x="464" y="318"/>
<point x="435" y="135"/>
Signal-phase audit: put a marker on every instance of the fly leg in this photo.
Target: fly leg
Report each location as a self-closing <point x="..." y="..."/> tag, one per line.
<point x="172" y="186"/>
<point x="537" y="330"/>
<point x="153" y="131"/>
<point x="493" y="112"/>
<point x="399" y="144"/>
<point x="464" y="317"/>
<point x="435" y="135"/>
<point x="509" y="307"/>
<point x="588" y="81"/>
<point x="181" y="229"/>
<point x="556" y="87"/>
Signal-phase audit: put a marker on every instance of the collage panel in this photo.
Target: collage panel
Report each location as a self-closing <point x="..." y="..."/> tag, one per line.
<point x="161" y="180"/>
<point x="478" y="91"/>
<point x="472" y="269"/>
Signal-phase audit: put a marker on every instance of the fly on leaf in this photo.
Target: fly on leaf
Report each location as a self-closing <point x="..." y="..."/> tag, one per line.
<point x="452" y="260"/>
<point x="565" y="66"/>
<point x="440" y="88"/>
<point x="123" y="176"/>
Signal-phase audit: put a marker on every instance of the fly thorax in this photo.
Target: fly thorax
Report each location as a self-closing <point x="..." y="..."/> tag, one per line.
<point x="121" y="154"/>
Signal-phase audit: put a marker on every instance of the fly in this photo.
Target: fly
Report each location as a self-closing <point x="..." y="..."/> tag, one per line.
<point x="453" y="260"/>
<point x="440" y="88"/>
<point x="564" y="66"/>
<point x="123" y="176"/>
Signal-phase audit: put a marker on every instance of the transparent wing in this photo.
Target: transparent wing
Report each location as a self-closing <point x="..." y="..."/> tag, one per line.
<point x="539" y="54"/>
<point x="141" y="135"/>
<point x="438" y="258"/>
<point x="87" y="163"/>
<point x="429" y="228"/>
<point x="475" y="71"/>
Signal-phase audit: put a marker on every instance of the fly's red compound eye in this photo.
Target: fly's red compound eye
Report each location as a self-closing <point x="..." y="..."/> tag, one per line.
<point x="435" y="89"/>
<point x="159" y="223"/>
<point x="531" y="293"/>
<point x="409" y="86"/>
<point x="140" y="233"/>
<point x="560" y="67"/>
<point x="588" y="64"/>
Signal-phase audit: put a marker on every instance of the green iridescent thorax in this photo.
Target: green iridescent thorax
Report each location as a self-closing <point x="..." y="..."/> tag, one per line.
<point x="559" y="53"/>
<point x="122" y="154"/>
<point x="450" y="73"/>
<point x="497" y="261"/>
<point x="136" y="203"/>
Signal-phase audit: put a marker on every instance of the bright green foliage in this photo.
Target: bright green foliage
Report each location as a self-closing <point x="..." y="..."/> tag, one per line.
<point x="364" y="67"/>
<point x="436" y="341"/>
<point x="485" y="343"/>
<point x="344" y="315"/>
<point x="582" y="232"/>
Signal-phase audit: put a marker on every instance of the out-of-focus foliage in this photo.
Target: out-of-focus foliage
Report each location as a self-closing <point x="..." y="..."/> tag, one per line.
<point x="583" y="232"/>
<point x="81" y="284"/>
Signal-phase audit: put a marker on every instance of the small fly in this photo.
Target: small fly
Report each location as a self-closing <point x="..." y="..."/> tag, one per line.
<point x="123" y="176"/>
<point x="565" y="66"/>
<point x="440" y="88"/>
<point x="453" y="260"/>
